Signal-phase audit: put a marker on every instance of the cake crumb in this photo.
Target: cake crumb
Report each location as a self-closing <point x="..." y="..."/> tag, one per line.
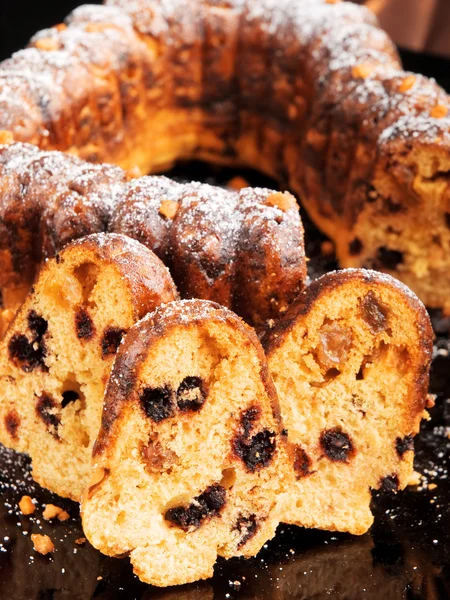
<point x="63" y="516"/>
<point x="51" y="511"/>
<point x="415" y="478"/>
<point x="80" y="541"/>
<point x="26" y="505"/>
<point x="42" y="543"/>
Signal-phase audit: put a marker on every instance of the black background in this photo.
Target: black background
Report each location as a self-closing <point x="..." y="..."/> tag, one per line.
<point x="406" y="555"/>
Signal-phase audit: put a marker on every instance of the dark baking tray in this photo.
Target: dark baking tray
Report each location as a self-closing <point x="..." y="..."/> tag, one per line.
<point x="406" y="555"/>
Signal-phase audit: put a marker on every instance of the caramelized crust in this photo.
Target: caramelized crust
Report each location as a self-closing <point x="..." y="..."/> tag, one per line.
<point x="56" y="356"/>
<point x="191" y="462"/>
<point x="350" y="362"/>
<point x="306" y="91"/>
<point x="243" y="249"/>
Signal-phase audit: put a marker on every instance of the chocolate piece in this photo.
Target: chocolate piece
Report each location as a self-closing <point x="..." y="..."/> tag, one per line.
<point x="337" y="445"/>
<point x="302" y="462"/>
<point x="191" y="394"/>
<point x="248" y="419"/>
<point x="403" y="445"/>
<point x="207" y="505"/>
<point x="111" y="340"/>
<point x="374" y="313"/>
<point x="247" y="527"/>
<point x="83" y="324"/>
<point x="258" y="451"/>
<point x="12" y="423"/>
<point x="25" y="354"/>
<point x="37" y="324"/>
<point x="47" y="410"/>
<point x="158" y="403"/>
<point x="389" y="484"/>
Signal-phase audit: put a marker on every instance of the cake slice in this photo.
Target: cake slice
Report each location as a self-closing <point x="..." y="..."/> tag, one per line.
<point x="350" y="362"/>
<point x="56" y="356"/>
<point x="190" y="462"/>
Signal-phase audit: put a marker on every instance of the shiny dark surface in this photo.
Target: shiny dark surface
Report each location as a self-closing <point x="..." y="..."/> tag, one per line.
<point x="406" y="555"/>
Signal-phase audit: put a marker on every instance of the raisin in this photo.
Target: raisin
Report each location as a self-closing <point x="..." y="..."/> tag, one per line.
<point x="374" y="313"/>
<point x="334" y="345"/>
<point x="355" y="247"/>
<point x="158" y="403"/>
<point x="46" y="408"/>
<point x="83" y="325"/>
<point x="336" y="444"/>
<point x="157" y="457"/>
<point x="389" y="484"/>
<point x="111" y="340"/>
<point x="389" y="259"/>
<point x="68" y="397"/>
<point x="37" y="324"/>
<point x="28" y="355"/>
<point x="258" y="451"/>
<point x="403" y="445"/>
<point x="12" y="423"/>
<point x="248" y="419"/>
<point x="247" y="527"/>
<point x="191" y="394"/>
<point x="208" y="504"/>
<point x="302" y="463"/>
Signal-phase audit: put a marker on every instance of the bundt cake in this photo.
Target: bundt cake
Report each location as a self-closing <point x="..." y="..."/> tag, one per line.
<point x="311" y="92"/>
<point x="56" y="357"/>
<point x="190" y="462"/>
<point x="242" y="249"/>
<point x="350" y="362"/>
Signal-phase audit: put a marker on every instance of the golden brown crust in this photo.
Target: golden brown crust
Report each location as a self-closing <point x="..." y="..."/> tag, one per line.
<point x="57" y="354"/>
<point x="148" y="331"/>
<point x="350" y="361"/>
<point x="244" y="250"/>
<point x="148" y="82"/>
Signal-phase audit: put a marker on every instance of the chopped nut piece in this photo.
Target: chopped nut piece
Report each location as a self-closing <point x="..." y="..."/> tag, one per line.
<point x="133" y="172"/>
<point x="283" y="201"/>
<point x="51" y="511"/>
<point x="237" y="183"/>
<point x="168" y="208"/>
<point x="47" y="44"/>
<point x="42" y="543"/>
<point x="407" y="84"/>
<point x="439" y="111"/>
<point x="80" y="541"/>
<point x="63" y="516"/>
<point x="432" y="486"/>
<point x="361" y="71"/>
<point x="415" y="478"/>
<point x="26" y="505"/>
